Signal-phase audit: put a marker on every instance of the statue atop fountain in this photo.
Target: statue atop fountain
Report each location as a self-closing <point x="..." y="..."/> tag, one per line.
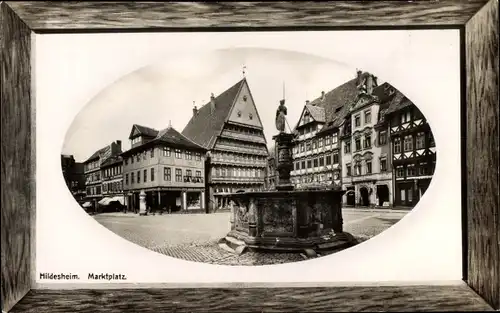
<point x="284" y="145"/>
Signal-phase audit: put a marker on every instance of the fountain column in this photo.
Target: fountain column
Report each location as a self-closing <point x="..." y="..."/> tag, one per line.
<point x="284" y="162"/>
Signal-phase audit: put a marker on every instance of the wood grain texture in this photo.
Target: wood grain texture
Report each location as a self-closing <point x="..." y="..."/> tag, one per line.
<point x="143" y="15"/>
<point x="344" y="299"/>
<point x="483" y="162"/>
<point x="17" y="196"/>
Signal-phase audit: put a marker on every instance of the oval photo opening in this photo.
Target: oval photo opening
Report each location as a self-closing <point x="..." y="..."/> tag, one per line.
<point x="244" y="169"/>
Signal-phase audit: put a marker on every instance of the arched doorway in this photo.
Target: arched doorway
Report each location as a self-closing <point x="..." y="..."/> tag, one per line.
<point x="364" y="196"/>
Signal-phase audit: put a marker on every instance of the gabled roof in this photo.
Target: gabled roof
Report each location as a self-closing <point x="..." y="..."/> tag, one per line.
<point x="170" y="136"/>
<point x="143" y="130"/>
<point x="204" y="127"/>
<point x="317" y="113"/>
<point x="98" y="153"/>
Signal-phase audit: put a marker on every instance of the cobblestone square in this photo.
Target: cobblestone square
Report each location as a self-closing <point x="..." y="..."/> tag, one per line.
<point x="194" y="237"/>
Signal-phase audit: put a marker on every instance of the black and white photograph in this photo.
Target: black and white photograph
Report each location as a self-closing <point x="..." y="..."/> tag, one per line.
<point x="250" y="155"/>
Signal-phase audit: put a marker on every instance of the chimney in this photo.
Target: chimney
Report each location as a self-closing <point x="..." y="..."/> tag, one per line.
<point x="195" y="110"/>
<point x="322" y="96"/>
<point x="116" y="147"/>
<point x="307" y="102"/>
<point x="212" y="102"/>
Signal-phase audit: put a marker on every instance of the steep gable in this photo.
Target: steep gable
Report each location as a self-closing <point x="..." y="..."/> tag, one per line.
<point x="204" y="126"/>
<point x="139" y="130"/>
<point x="244" y="110"/>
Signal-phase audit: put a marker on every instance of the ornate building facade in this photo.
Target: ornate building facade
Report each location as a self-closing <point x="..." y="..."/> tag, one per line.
<point x="165" y="165"/>
<point x="229" y="127"/>
<point x="414" y="152"/>
<point x="366" y="157"/>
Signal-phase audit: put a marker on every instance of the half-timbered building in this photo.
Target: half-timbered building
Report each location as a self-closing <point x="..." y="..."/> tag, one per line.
<point x="414" y="152"/>
<point x="229" y="127"/>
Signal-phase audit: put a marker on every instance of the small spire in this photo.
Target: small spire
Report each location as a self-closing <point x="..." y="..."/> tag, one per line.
<point x="169" y="123"/>
<point x="243" y="70"/>
<point x="283" y="90"/>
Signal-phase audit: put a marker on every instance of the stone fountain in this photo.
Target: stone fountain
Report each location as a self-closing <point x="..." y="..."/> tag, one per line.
<point x="285" y="219"/>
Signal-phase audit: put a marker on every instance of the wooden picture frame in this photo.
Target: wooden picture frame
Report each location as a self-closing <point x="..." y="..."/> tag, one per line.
<point x="477" y="21"/>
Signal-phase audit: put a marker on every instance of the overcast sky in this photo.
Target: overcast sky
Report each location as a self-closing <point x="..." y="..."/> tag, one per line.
<point x="163" y="91"/>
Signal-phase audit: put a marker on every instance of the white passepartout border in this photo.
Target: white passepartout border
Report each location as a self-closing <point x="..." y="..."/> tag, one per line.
<point x="424" y="246"/>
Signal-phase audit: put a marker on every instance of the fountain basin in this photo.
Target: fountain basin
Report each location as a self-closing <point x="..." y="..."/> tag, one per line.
<point x="296" y="220"/>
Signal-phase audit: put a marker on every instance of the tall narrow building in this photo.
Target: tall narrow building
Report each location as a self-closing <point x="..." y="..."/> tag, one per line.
<point x="229" y="127"/>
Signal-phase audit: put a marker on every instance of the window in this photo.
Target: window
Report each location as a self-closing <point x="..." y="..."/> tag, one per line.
<point x="410" y="171"/>
<point x="198" y="173"/>
<point x="153" y="152"/>
<point x="308" y="145"/>
<point x="314" y="144"/>
<point x="152" y="174"/>
<point x="347" y="147"/>
<point x="178" y="154"/>
<point x="320" y="142"/>
<point x="405" y="117"/>
<point x="167" y="174"/>
<point x="250" y="116"/>
<point x="335" y="158"/>
<point x="422" y="169"/>
<point x="383" y="165"/>
<point x="403" y="195"/>
<point x="420" y="140"/>
<point x="178" y="175"/>
<point x="358" y="144"/>
<point x="334" y="138"/>
<point x="166" y="151"/>
<point x="144" y="155"/>
<point x="397" y="145"/>
<point x="322" y="161"/>
<point x="400" y="172"/>
<point x="189" y="155"/>
<point x="198" y="156"/>
<point x="357" y="168"/>
<point x="132" y="178"/>
<point x="357" y="121"/>
<point x="138" y="157"/>
<point x="126" y="179"/>
<point x="408" y="143"/>
<point x="303" y="164"/>
<point x="145" y="175"/>
<point x="368" y="167"/>
<point x="126" y="161"/>
<point x="382" y="138"/>
<point x="297" y="165"/>
<point x="368" y="117"/>
<point x="302" y="147"/>
<point x="328" y="160"/>
<point x="132" y="160"/>
<point x="328" y="140"/>
<point x="410" y="195"/>
<point x="368" y="141"/>
<point x="315" y="162"/>
<point x="348" y="169"/>
<point x="138" y="177"/>
<point x="309" y="163"/>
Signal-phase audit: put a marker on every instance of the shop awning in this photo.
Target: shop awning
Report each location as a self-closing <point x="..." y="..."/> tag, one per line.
<point x="104" y="201"/>
<point x="120" y="199"/>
